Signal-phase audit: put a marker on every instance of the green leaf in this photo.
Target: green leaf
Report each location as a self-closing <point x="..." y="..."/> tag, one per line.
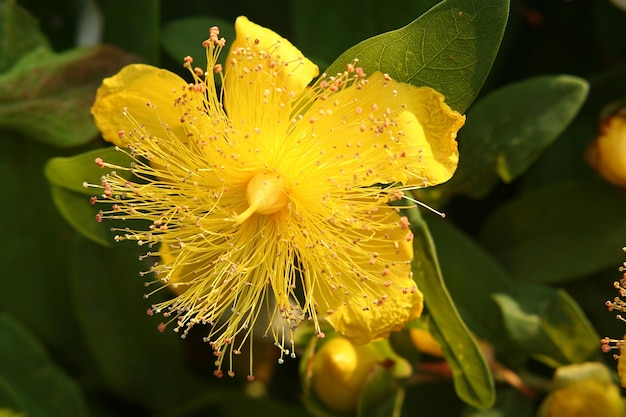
<point x="472" y="379"/>
<point x="40" y="386"/>
<point x="79" y="213"/>
<point x="136" y="360"/>
<point x="472" y="277"/>
<point x="67" y="175"/>
<point x="34" y="256"/>
<point x="19" y="34"/>
<point x="450" y="48"/>
<point x="183" y="37"/>
<point x="133" y="26"/>
<point x="382" y="395"/>
<point x="6" y="412"/>
<point x="508" y="129"/>
<point x="548" y="324"/>
<point x="47" y="96"/>
<point x="558" y="232"/>
<point x="9" y="398"/>
<point x="510" y="403"/>
<point x="232" y="402"/>
<point x="71" y="172"/>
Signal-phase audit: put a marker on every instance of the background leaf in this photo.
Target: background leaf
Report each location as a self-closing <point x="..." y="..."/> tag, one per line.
<point x="558" y="232"/>
<point x="507" y="130"/>
<point x="472" y="276"/>
<point x="78" y="212"/>
<point x="548" y="324"/>
<point x="450" y="48"/>
<point x="34" y="253"/>
<point x="38" y="384"/>
<point x="472" y="378"/>
<point x="123" y="340"/>
<point x="19" y="34"/>
<point x="47" y="96"/>
<point x="67" y="175"/>
<point x="71" y="172"/>
<point x="509" y="403"/>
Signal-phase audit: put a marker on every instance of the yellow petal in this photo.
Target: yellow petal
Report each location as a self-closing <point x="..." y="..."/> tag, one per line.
<point x="386" y="299"/>
<point x="382" y="131"/>
<point x="146" y="93"/>
<point x="264" y="72"/>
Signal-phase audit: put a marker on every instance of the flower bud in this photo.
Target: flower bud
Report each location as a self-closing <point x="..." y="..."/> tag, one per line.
<point x="607" y="154"/>
<point x="583" y="390"/>
<point x="425" y="342"/>
<point x="340" y="372"/>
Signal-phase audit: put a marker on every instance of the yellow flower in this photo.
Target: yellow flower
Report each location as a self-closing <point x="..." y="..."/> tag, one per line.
<point x="269" y="198"/>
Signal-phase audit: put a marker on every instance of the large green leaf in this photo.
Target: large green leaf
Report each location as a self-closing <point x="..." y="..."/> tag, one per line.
<point x="450" y="48"/>
<point x="548" y="324"/>
<point x="558" y="232"/>
<point x="508" y="129"/>
<point x="37" y="384"/>
<point x="472" y="379"/>
<point x="19" y="34"/>
<point x="47" y="96"/>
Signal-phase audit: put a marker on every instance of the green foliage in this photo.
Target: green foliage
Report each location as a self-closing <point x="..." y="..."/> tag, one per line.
<point x="548" y="325"/>
<point x="19" y="35"/>
<point x="67" y="176"/>
<point x="507" y="130"/>
<point x="44" y="95"/>
<point x="472" y="378"/>
<point x="30" y="382"/>
<point x="123" y="341"/>
<point x="510" y="276"/>
<point x="450" y="48"/>
<point x="578" y="229"/>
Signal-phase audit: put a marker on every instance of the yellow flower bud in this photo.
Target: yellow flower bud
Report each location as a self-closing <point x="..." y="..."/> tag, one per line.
<point x="583" y="390"/>
<point x="607" y="154"/>
<point x="425" y="342"/>
<point x="340" y="371"/>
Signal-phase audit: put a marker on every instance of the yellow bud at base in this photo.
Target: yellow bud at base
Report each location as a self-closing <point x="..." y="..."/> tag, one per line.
<point x="340" y="371"/>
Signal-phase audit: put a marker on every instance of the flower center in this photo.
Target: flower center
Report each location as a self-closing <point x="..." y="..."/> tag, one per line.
<point x="265" y="194"/>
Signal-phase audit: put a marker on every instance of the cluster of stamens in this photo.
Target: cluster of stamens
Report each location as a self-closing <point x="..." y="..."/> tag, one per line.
<point x="617" y="304"/>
